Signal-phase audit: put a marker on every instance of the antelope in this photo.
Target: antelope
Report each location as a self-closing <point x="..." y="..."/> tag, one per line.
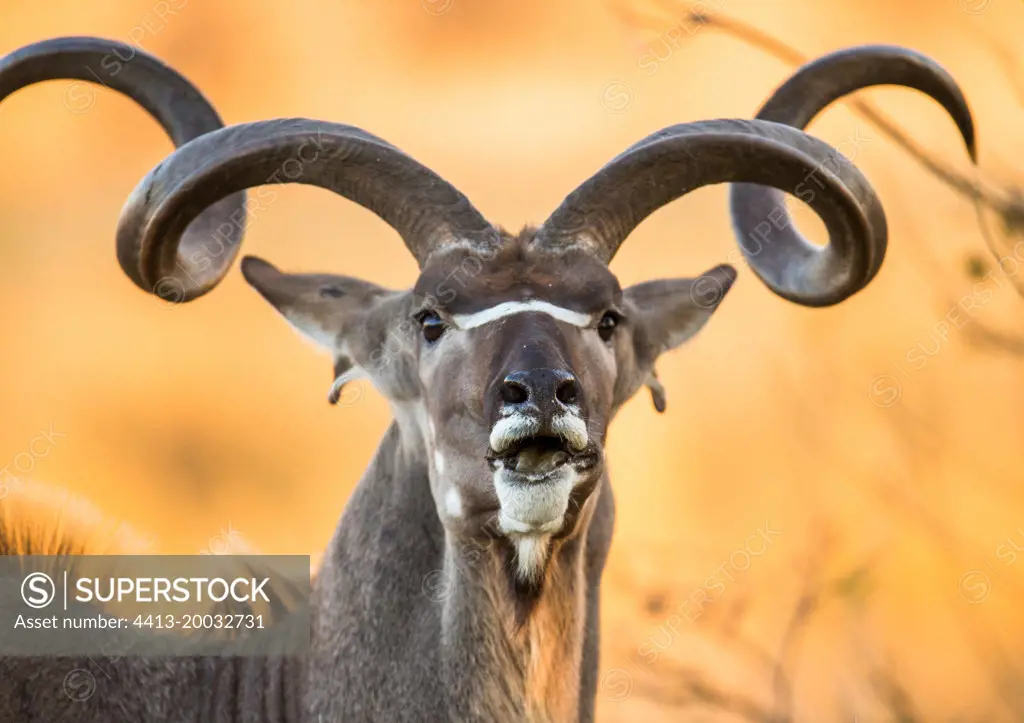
<point x="463" y="580"/>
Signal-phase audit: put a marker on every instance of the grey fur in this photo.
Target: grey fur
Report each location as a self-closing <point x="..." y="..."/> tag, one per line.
<point x="134" y="690"/>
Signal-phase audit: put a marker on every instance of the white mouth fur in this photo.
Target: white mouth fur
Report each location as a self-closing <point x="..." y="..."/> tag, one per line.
<point x="531" y="511"/>
<point x="516" y="426"/>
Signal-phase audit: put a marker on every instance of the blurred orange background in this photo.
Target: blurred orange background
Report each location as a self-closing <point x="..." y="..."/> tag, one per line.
<point x="894" y="490"/>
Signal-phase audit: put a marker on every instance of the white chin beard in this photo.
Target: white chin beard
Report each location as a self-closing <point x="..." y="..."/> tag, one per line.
<point x="530" y="513"/>
<point x="531" y="556"/>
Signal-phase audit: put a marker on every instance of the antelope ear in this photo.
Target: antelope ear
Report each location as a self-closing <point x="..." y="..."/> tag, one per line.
<point x="322" y="307"/>
<point x="670" y="312"/>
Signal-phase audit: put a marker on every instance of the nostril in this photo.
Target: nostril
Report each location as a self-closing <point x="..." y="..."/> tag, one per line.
<point x="514" y="392"/>
<point x="568" y="391"/>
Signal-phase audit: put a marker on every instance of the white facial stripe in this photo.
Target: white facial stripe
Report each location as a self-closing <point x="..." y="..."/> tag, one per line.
<point x="508" y="308"/>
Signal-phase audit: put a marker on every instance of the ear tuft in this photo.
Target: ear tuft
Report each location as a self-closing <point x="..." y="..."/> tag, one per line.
<point x="345" y="371"/>
<point x="657" y="392"/>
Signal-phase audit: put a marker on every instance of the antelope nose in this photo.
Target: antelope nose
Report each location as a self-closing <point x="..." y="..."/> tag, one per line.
<point x="543" y="388"/>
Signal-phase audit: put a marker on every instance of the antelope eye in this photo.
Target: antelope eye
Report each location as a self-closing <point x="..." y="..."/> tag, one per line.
<point x="433" y="327"/>
<point x="606" y="327"/>
<point x="331" y="292"/>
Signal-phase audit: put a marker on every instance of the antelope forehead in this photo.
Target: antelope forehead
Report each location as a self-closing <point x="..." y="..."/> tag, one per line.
<point x="510" y="308"/>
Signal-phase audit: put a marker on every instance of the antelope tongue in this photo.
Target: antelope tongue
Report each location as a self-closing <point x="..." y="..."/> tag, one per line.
<point x="537" y="459"/>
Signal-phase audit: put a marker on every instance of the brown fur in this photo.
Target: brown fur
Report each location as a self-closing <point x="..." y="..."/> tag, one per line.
<point x="40" y="519"/>
<point x="462" y="280"/>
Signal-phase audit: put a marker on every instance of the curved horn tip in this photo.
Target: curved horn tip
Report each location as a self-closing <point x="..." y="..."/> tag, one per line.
<point x="965" y="124"/>
<point x="972" y="147"/>
<point x="820" y="81"/>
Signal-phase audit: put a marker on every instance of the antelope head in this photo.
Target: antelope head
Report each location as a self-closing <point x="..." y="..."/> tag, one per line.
<point x="506" y="360"/>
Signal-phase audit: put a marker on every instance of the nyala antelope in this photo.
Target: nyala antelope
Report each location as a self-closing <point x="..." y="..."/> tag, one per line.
<point x="463" y="581"/>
